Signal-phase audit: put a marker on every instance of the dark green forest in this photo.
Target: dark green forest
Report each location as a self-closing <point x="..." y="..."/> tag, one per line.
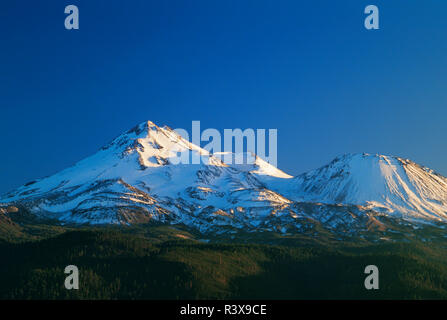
<point x="168" y="263"/>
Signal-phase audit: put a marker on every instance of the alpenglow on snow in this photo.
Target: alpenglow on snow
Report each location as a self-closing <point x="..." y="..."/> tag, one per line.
<point x="133" y="180"/>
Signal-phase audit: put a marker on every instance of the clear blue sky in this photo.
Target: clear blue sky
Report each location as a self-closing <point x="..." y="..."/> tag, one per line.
<point x="308" y="68"/>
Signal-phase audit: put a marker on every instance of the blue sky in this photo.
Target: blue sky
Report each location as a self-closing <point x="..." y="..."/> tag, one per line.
<point x="308" y="68"/>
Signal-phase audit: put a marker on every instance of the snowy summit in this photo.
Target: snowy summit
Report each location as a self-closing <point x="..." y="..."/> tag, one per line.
<point x="135" y="180"/>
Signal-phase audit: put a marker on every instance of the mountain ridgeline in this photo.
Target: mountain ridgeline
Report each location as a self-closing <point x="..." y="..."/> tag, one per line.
<point x="134" y="180"/>
<point x="141" y="226"/>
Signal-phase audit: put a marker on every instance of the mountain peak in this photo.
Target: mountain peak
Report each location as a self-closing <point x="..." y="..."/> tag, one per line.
<point x="135" y="177"/>
<point x="145" y="126"/>
<point x="385" y="183"/>
<point x="149" y="125"/>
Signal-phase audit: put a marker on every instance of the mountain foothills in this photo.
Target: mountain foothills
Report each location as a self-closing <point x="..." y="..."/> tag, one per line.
<point x="134" y="180"/>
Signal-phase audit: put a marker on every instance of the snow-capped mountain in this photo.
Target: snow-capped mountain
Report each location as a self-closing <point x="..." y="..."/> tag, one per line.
<point x="392" y="185"/>
<point x="134" y="179"/>
<point x="137" y="178"/>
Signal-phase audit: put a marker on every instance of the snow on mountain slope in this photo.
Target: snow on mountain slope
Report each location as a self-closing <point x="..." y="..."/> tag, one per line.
<point x="253" y="164"/>
<point x="137" y="178"/>
<point x="386" y="184"/>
